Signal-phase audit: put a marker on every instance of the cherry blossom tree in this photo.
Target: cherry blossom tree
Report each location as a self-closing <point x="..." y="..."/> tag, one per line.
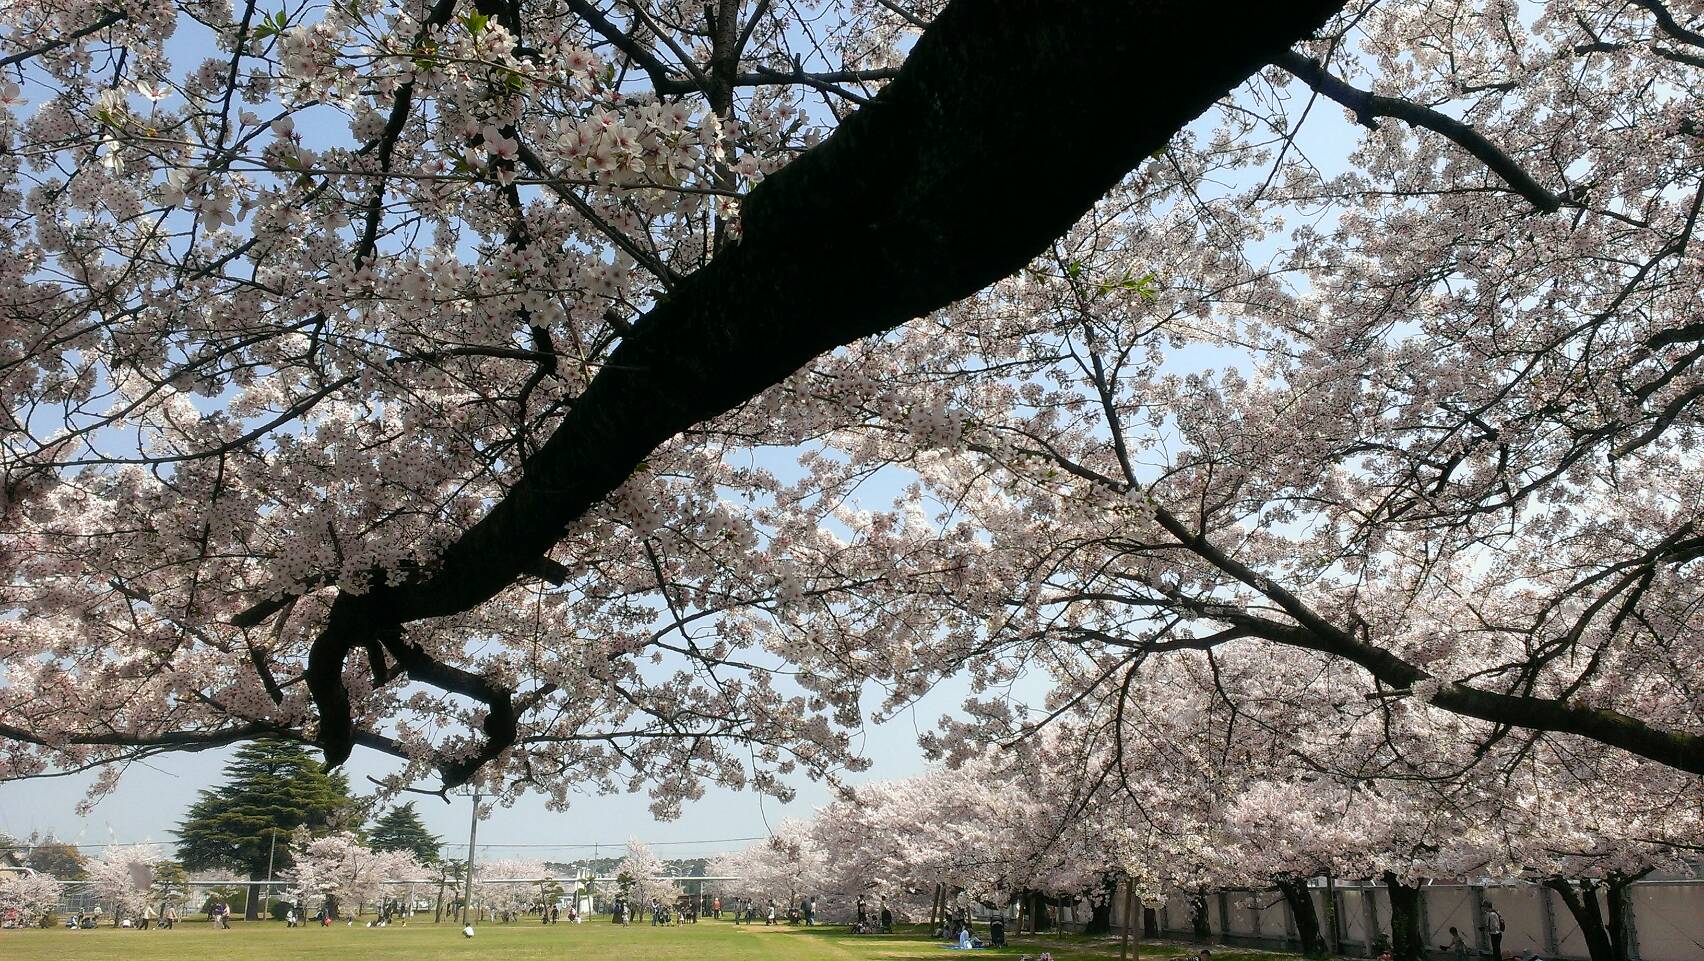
<point x="787" y="866"/>
<point x="995" y="829"/>
<point x="1589" y="838"/>
<point x="124" y="876"/>
<point x="1358" y="462"/>
<point x="393" y="326"/>
<point x="639" y="873"/>
<point x="522" y="894"/>
<point x="1418" y="413"/>
<point x="337" y="873"/>
<point x="27" y="897"/>
<point x="1195" y="792"/>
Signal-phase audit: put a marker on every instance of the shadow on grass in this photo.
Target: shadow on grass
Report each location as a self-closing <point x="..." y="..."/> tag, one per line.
<point x="914" y="941"/>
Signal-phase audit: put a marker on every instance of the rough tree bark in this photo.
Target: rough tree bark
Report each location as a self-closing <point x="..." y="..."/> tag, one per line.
<point x="1407" y="941"/>
<point x="1295" y="892"/>
<point x="1100" y="921"/>
<point x="1199" y="919"/>
<point x="257" y="896"/>
<point x="1041" y="917"/>
<point x="1619" y="894"/>
<point x="927" y="194"/>
<point x="1607" y="939"/>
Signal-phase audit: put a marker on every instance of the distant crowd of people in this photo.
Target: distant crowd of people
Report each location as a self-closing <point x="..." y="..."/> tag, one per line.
<point x="751" y="911"/>
<point x="148" y="917"/>
<point x="684" y="910"/>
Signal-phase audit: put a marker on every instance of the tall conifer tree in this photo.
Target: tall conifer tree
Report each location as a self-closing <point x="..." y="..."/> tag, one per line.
<point x="271" y="788"/>
<point x="400" y="829"/>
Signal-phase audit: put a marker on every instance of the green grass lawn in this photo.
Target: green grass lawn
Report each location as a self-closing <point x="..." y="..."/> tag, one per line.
<point x="596" y="940"/>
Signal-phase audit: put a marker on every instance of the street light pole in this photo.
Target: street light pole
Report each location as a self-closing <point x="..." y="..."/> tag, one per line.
<point x="266" y="896"/>
<point x="467" y="890"/>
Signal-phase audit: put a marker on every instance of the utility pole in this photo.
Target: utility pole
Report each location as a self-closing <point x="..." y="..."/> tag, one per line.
<point x="266" y="895"/>
<point x="270" y="851"/>
<point x="467" y="891"/>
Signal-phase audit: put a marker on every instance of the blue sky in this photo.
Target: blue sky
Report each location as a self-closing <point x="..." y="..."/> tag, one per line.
<point x="153" y="796"/>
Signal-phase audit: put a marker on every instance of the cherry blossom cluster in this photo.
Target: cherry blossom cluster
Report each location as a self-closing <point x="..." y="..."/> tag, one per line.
<point x="279" y="323"/>
<point x="337" y="873"/>
<point x="123" y="877"/>
<point x="29" y="897"/>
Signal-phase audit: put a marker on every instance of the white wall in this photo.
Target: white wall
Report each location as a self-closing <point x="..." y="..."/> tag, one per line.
<point x="1447" y="908"/>
<point x="1668" y="918"/>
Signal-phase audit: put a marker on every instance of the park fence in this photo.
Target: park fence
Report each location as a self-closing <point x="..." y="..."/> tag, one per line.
<point x="1667" y="919"/>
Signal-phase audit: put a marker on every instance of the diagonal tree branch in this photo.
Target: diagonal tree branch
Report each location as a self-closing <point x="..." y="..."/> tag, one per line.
<point x="907" y="207"/>
<point x="1367" y="105"/>
<point x="106" y="20"/>
<point x="1669" y="25"/>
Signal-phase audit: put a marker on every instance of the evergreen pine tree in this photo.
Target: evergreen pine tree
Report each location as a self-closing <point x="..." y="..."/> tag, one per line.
<point x="400" y="829"/>
<point x="271" y="788"/>
<point x="170" y="887"/>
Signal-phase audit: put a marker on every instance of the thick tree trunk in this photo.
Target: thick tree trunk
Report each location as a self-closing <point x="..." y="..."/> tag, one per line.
<point x="1199" y="919"/>
<point x="1582" y="903"/>
<point x="1150" y="923"/>
<point x="1618" y="893"/>
<point x="251" y="909"/>
<point x="1100" y="921"/>
<point x="1333" y="925"/>
<point x="1407" y="941"/>
<point x="1295" y="892"/>
<point x="1043" y="916"/>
